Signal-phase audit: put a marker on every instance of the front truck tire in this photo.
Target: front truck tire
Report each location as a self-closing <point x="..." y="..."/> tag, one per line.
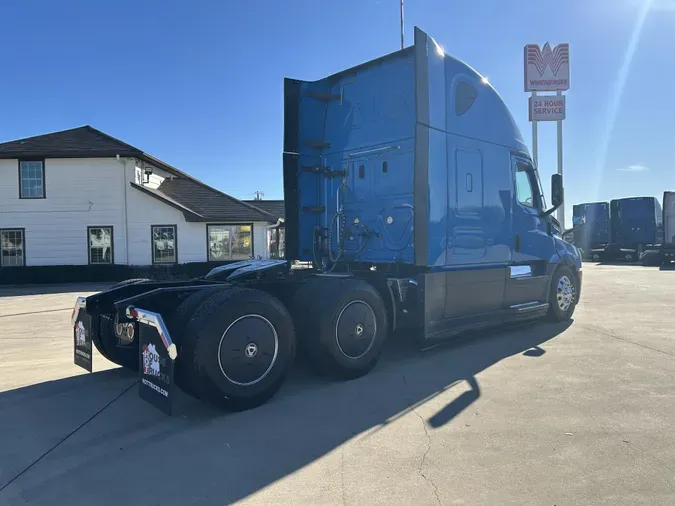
<point x="564" y="294"/>
<point x="243" y="345"/>
<point x="341" y="325"/>
<point x="106" y="341"/>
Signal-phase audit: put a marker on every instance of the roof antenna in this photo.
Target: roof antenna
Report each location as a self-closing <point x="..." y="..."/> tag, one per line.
<point x="258" y="195"/>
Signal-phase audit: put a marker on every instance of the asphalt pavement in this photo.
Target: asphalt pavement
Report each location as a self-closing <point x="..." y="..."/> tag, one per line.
<point x="550" y="414"/>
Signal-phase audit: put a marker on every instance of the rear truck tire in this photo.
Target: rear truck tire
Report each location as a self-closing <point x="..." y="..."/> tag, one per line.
<point x="564" y="294"/>
<point x="104" y="338"/>
<point x="185" y="374"/>
<point x="243" y="347"/>
<point x="342" y="325"/>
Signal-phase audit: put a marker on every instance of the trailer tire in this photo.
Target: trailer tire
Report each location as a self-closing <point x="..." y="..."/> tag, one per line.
<point x="564" y="294"/>
<point x="344" y="326"/>
<point x="244" y="346"/>
<point x="103" y="336"/>
<point x="185" y="374"/>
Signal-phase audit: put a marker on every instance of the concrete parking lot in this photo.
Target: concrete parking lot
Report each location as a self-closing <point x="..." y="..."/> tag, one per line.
<point x="548" y="414"/>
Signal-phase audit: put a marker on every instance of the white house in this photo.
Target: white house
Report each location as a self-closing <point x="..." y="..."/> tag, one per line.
<point x="80" y="197"/>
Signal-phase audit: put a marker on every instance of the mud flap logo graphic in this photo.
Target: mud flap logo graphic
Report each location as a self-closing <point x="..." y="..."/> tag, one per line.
<point x="82" y="342"/>
<point x="156" y="369"/>
<point x="80" y="334"/>
<point x="150" y="360"/>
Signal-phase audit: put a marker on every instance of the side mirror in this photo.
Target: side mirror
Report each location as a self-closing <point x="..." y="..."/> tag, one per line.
<point x="557" y="194"/>
<point x="557" y="191"/>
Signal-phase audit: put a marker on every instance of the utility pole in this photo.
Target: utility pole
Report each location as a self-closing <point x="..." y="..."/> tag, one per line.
<point x="259" y="195"/>
<point x="402" y="41"/>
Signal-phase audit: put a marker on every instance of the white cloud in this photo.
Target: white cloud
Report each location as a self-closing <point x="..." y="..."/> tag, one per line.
<point x="634" y="168"/>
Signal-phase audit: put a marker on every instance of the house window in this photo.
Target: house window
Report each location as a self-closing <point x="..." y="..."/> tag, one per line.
<point x="229" y="242"/>
<point x="101" y="246"/>
<point x="31" y="179"/>
<point x="276" y="242"/>
<point x="12" y="252"/>
<point x="164" y="244"/>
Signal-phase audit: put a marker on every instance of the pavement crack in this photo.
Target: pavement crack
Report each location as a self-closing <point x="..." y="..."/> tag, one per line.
<point x="604" y="332"/>
<point x="37" y="312"/>
<point x="420" y="471"/>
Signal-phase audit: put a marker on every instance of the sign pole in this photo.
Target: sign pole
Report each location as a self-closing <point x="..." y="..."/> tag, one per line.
<point x="535" y="141"/>
<point x="402" y="43"/>
<point x="561" y="209"/>
<point x="547" y="69"/>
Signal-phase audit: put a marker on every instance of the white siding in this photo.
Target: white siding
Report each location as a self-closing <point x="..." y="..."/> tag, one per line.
<point x="145" y="211"/>
<point x="95" y="192"/>
<point x="80" y="193"/>
<point x="151" y="180"/>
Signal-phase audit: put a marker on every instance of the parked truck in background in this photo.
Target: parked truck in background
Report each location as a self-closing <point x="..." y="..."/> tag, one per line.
<point x="591" y="228"/>
<point x="668" y="221"/>
<point x="664" y="253"/>
<point x="409" y="191"/>
<point x="636" y="225"/>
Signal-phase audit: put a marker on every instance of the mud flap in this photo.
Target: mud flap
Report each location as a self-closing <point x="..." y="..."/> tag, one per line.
<point x="157" y="356"/>
<point x="156" y="371"/>
<point x="82" y="344"/>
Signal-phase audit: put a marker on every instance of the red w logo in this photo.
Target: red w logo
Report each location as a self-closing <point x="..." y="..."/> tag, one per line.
<point x="553" y="59"/>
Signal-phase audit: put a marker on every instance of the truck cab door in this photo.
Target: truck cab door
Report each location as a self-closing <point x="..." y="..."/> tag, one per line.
<point x="533" y="244"/>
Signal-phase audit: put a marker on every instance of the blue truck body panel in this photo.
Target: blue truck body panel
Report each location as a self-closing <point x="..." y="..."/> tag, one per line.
<point x="636" y="222"/>
<point x="412" y="164"/>
<point x="593" y="224"/>
<point x="427" y="147"/>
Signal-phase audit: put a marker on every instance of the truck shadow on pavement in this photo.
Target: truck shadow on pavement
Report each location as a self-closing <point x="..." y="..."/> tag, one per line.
<point x="130" y="453"/>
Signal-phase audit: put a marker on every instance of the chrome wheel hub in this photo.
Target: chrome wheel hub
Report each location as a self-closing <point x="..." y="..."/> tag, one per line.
<point x="251" y="350"/>
<point x="245" y="362"/>
<point x="356" y="329"/>
<point x="565" y="293"/>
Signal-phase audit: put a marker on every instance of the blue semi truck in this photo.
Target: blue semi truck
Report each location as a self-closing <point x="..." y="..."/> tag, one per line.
<point x="411" y="203"/>
<point x="591" y="227"/>
<point x="617" y="230"/>
<point x="636" y="226"/>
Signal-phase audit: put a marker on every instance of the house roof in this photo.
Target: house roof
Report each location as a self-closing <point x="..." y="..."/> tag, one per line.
<point x="197" y="200"/>
<point x="274" y="207"/>
<point x="80" y="142"/>
<point x="209" y="203"/>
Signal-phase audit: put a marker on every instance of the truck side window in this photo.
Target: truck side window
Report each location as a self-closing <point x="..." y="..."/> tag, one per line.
<point x="524" y="192"/>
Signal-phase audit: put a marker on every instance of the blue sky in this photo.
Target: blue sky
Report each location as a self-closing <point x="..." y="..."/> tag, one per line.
<point x="199" y="84"/>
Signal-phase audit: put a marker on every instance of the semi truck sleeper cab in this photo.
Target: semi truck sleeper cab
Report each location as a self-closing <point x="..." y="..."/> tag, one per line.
<point x="411" y="204"/>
